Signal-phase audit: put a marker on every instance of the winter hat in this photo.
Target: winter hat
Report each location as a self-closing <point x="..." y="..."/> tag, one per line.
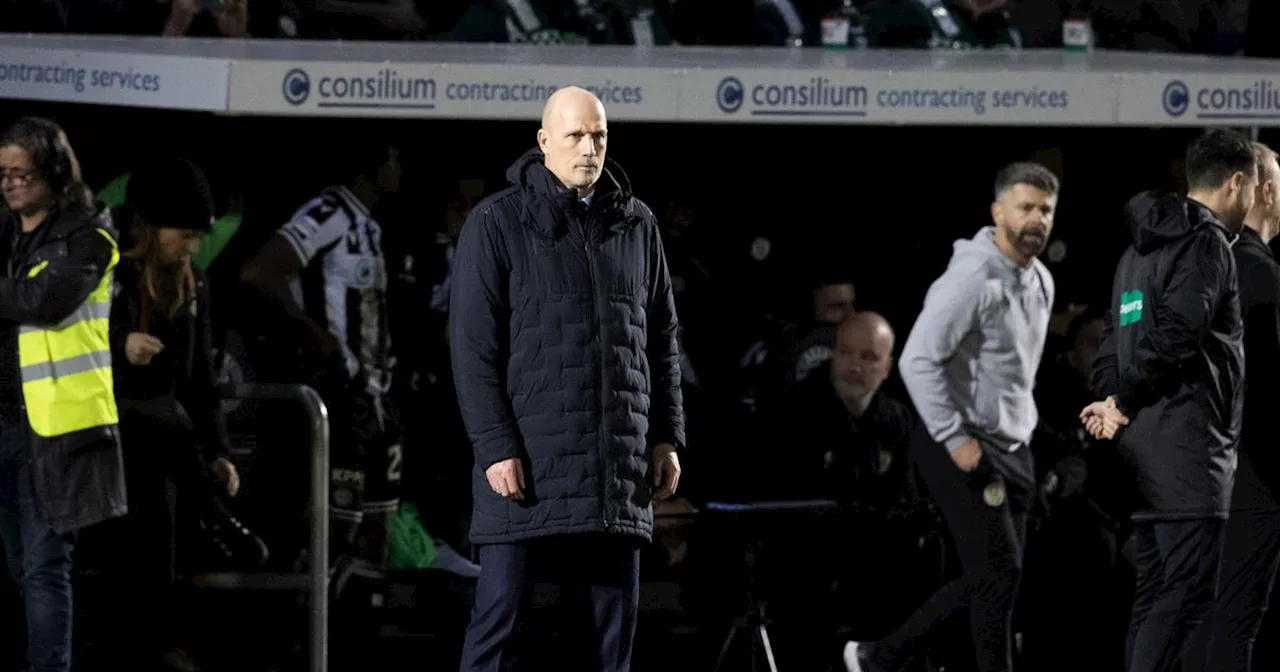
<point x="171" y="193"/>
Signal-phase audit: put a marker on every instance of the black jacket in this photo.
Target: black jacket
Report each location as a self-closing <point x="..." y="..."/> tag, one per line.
<point x="1257" y="484"/>
<point x="824" y="452"/>
<point x="563" y="341"/>
<point x="1173" y="356"/>
<point x="78" y="478"/>
<point x="178" y="382"/>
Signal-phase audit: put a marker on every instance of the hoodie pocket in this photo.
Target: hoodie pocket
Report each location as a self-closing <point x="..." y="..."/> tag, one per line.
<point x="1000" y="410"/>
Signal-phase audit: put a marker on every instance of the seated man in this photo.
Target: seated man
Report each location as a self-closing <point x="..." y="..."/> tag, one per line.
<point x="846" y="440"/>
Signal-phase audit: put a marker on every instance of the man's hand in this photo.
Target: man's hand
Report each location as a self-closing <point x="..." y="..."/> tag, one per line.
<point x="226" y="472"/>
<point x="666" y="471"/>
<point x="507" y="478"/>
<point x="1102" y="419"/>
<point x="967" y="455"/>
<point x="140" y="348"/>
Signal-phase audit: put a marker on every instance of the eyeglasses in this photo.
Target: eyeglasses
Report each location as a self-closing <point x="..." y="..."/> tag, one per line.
<point x="19" y="177"/>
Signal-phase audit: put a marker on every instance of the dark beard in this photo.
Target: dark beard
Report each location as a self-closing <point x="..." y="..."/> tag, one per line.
<point x="1030" y="245"/>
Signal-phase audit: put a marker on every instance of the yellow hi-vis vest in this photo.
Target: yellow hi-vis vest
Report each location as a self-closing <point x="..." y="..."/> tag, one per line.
<point x="67" y="384"/>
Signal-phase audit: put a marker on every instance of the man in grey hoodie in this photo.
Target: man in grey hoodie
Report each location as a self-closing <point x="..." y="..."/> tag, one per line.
<point x="970" y="365"/>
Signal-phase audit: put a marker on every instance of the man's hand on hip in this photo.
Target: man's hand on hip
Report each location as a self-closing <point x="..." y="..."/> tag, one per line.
<point x="507" y="478"/>
<point x="666" y="471"/>
<point x="967" y="455"/>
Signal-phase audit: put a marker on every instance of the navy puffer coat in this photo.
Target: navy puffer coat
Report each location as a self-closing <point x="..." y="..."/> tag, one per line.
<point x="563" y="340"/>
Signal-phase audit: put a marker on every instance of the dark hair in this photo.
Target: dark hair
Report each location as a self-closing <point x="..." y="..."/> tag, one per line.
<point x="1026" y="172"/>
<point x="1216" y="155"/>
<point x="51" y="156"/>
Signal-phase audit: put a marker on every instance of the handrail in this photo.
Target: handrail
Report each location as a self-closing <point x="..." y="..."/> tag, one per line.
<point x="318" y="575"/>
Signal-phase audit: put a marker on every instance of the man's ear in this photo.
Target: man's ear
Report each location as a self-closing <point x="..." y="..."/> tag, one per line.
<point x="1236" y="183"/>
<point x="542" y="139"/>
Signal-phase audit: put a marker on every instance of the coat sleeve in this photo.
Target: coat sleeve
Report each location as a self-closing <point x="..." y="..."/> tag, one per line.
<point x="1181" y="318"/>
<point x="666" y="415"/>
<point x="1105" y="377"/>
<point x="57" y="290"/>
<point x="479" y="311"/>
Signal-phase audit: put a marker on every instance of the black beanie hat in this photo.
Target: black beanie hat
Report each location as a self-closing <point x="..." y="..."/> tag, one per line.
<point x="171" y="193"/>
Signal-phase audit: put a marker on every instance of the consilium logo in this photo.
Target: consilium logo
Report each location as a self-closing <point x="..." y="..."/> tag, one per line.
<point x="296" y="87"/>
<point x="1176" y="98"/>
<point x="730" y="95"/>
<point x="1130" y="307"/>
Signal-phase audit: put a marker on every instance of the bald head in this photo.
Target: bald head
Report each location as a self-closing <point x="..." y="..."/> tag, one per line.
<point x="573" y="137"/>
<point x="868" y="323"/>
<point x="863" y="357"/>
<point x="1264" y="216"/>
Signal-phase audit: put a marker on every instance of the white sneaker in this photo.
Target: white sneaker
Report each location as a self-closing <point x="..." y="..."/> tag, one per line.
<point x="851" y="657"/>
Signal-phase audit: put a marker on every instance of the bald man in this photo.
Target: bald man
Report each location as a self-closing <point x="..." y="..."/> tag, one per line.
<point x="850" y="432"/>
<point x="843" y="438"/>
<point x="563" y="339"/>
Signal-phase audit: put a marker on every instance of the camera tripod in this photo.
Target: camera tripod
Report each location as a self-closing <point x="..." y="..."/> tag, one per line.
<point x="754" y="624"/>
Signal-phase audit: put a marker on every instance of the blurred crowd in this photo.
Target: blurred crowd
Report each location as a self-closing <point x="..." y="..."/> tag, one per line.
<point x="1188" y="26"/>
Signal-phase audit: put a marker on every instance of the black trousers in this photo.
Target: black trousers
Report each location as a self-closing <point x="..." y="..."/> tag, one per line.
<point x="987" y="520"/>
<point x="1177" y="570"/>
<point x="160" y="459"/>
<point x="1250" y="559"/>
<point x="596" y="581"/>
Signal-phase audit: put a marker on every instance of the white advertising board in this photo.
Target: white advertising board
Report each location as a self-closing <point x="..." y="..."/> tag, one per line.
<point x="110" y="78"/>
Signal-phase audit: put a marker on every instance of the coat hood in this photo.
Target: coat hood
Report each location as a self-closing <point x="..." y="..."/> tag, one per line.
<point x="1158" y="218"/>
<point x="547" y="200"/>
<point x="981" y="250"/>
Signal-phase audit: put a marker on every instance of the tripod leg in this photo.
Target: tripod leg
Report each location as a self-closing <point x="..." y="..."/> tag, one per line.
<point x="768" y="648"/>
<point x="724" y="649"/>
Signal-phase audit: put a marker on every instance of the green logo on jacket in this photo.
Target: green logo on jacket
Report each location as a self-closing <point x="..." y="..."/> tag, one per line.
<point x="1130" y="307"/>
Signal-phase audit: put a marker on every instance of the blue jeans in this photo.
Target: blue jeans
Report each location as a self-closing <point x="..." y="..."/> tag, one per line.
<point x="38" y="559"/>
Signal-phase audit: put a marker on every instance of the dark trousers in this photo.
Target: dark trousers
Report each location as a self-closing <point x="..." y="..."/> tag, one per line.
<point x="1250" y="560"/>
<point x="159" y="458"/>
<point x="987" y="521"/>
<point x="1177" y="570"/>
<point x="366" y="457"/>
<point x="597" y="582"/>
<point x="39" y="560"/>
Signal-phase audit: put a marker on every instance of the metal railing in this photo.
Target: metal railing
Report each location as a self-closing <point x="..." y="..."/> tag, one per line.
<point x="316" y="581"/>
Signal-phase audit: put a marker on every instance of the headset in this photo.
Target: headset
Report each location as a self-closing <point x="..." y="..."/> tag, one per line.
<point x="51" y="153"/>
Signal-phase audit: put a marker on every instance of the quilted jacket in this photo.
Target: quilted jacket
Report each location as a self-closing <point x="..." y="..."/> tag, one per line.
<point x="563" y="342"/>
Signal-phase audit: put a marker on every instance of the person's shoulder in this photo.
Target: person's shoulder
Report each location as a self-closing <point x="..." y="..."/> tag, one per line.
<point x="88" y="230"/>
<point x="498" y="208"/>
<point x="325" y="208"/>
<point x="1212" y="238"/>
<point x="638" y="208"/>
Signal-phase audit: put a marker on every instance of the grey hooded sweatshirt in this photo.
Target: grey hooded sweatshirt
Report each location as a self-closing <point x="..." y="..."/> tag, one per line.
<point x="971" y="359"/>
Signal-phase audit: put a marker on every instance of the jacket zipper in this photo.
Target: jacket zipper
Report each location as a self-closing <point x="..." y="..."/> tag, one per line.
<point x="595" y="311"/>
